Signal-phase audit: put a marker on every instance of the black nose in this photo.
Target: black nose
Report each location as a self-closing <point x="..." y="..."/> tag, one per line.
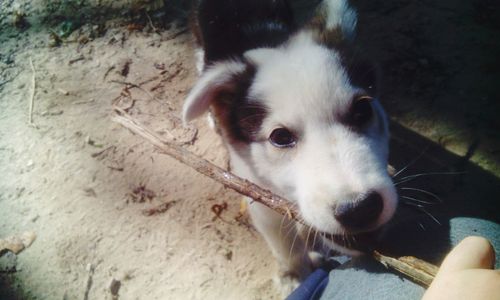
<point x="361" y="213"/>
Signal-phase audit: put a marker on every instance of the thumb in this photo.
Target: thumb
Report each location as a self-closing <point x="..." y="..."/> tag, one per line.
<point x="472" y="252"/>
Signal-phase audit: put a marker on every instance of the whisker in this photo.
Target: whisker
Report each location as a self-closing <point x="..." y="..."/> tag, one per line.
<point x="413" y="204"/>
<point x="422" y="209"/>
<point x="412" y="177"/>
<point x="421" y="226"/>
<point x="290" y="222"/>
<point x="425" y="192"/>
<point x="291" y="228"/>
<point x="417" y="200"/>
<point x="282" y="223"/>
<point x="433" y="173"/>
<point x="411" y="163"/>
<point x="307" y="240"/>
<point x="293" y="243"/>
<point x="314" y="239"/>
<point x="431" y="216"/>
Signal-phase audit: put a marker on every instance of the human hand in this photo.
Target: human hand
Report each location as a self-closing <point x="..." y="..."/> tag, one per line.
<point x="467" y="273"/>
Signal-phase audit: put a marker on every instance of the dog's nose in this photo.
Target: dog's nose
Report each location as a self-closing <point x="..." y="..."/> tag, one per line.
<point x="361" y="213"/>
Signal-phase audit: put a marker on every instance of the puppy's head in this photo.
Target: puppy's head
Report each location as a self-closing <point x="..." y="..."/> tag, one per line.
<point x="306" y="126"/>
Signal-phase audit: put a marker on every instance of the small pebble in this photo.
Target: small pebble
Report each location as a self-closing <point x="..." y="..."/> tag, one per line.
<point x="114" y="287"/>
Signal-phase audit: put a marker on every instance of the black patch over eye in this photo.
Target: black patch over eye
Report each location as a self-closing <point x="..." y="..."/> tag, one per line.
<point x="282" y="138"/>
<point x="361" y="111"/>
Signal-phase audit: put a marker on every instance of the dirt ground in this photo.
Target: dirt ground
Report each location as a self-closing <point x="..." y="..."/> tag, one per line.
<point x="85" y="185"/>
<point x="75" y="177"/>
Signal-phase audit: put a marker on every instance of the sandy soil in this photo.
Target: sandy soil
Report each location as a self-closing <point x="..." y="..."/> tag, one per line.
<point x="75" y="177"/>
<point x="82" y="183"/>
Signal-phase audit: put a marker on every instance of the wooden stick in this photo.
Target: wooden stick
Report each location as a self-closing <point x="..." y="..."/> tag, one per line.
<point x="205" y="167"/>
<point x="417" y="270"/>
<point x="32" y="98"/>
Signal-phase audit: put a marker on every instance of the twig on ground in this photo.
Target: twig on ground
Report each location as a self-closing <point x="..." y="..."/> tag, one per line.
<point x="90" y="269"/>
<point x="107" y="71"/>
<point x="173" y="36"/>
<point x="134" y="85"/>
<point x="74" y="60"/>
<point x="33" y="87"/>
<point x="417" y="270"/>
<point x="97" y="154"/>
<point x="151" y="23"/>
<point x="148" y="80"/>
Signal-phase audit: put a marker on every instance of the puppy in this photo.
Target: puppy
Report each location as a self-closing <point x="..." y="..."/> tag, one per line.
<point x="299" y="116"/>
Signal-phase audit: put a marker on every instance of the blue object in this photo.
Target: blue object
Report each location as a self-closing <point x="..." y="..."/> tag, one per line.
<point x="363" y="278"/>
<point x="311" y="288"/>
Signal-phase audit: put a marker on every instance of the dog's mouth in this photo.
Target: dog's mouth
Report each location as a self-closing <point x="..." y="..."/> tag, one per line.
<point x="363" y="242"/>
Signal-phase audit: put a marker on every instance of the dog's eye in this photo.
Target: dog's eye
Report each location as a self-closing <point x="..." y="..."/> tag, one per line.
<point x="282" y="138"/>
<point x="362" y="111"/>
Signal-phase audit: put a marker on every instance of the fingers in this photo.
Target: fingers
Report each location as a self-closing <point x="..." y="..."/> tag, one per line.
<point x="471" y="253"/>
<point x="466" y="273"/>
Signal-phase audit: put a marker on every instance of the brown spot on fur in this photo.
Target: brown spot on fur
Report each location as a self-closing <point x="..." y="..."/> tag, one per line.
<point x="330" y="38"/>
<point x="238" y="119"/>
<point x="361" y="73"/>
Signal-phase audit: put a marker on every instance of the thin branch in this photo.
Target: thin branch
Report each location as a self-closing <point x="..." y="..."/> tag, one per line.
<point x="32" y="97"/>
<point x="417" y="270"/>
<point x="151" y="24"/>
<point x="133" y="85"/>
<point x="205" y="167"/>
<point x="88" y="286"/>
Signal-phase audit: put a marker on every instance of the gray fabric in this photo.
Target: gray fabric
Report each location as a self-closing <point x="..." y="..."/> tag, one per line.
<point x="366" y="279"/>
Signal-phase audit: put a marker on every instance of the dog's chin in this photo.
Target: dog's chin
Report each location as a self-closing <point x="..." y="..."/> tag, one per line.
<point x="352" y="244"/>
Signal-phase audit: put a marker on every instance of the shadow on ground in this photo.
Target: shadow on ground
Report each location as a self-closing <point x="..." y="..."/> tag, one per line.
<point x="440" y="76"/>
<point x="437" y="187"/>
<point x="440" y="69"/>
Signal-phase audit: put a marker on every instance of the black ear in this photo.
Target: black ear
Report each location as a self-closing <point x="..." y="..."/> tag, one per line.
<point x="231" y="27"/>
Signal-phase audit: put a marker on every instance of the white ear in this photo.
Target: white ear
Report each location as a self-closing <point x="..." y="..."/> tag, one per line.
<point x="340" y="14"/>
<point x="211" y="83"/>
<point x="260" y="56"/>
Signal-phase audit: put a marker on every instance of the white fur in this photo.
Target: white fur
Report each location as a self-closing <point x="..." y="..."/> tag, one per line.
<point x="304" y="84"/>
<point x="339" y="14"/>
<point x="304" y="87"/>
<point x="208" y="84"/>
